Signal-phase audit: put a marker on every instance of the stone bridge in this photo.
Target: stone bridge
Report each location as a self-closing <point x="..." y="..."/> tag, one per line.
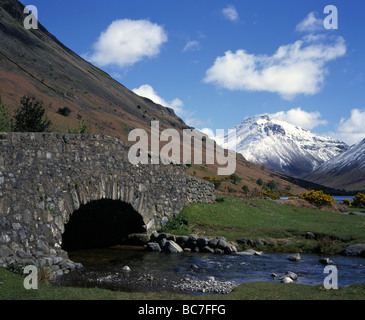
<point x="60" y="192"/>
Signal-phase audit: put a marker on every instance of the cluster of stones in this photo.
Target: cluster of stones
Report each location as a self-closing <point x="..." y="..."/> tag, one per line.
<point x="57" y="265"/>
<point x="206" y="286"/>
<point x="192" y="243"/>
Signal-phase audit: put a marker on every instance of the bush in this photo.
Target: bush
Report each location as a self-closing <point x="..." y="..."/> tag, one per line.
<point x="245" y="189"/>
<point x="260" y="182"/>
<point x="30" y="117"/>
<point x="272" y="185"/>
<point x="318" y="198"/>
<point x="235" y="178"/>
<point x="275" y="195"/>
<point x="346" y="202"/>
<point x="64" y="111"/>
<point x="358" y="200"/>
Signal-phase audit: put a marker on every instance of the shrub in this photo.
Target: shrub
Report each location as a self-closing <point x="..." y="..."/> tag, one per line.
<point x="235" y="178"/>
<point x="64" y="111"/>
<point x="217" y="184"/>
<point x="275" y="195"/>
<point x="231" y="190"/>
<point x="318" y="198"/>
<point x="346" y="202"/>
<point x="245" y="189"/>
<point x="358" y="200"/>
<point x="260" y="182"/>
<point x="272" y="185"/>
<point x="31" y="116"/>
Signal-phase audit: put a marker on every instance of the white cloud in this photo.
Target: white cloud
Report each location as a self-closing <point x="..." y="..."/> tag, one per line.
<point x="352" y="129"/>
<point x="297" y="68"/>
<point x="230" y="13"/>
<point x="310" y="24"/>
<point x="148" y="92"/>
<point x="192" y="46"/>
<point x="300" y="118"/>
<point x="208" y="132"/>
<point x="126" y="42"/>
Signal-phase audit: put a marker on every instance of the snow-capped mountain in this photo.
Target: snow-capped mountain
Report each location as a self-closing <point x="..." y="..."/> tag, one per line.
<point x="281" y="146"/>
<point x="345" y="171"/>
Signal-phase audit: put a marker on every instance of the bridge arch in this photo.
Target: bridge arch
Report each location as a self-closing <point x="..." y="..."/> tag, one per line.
<point x="101" y="223"/>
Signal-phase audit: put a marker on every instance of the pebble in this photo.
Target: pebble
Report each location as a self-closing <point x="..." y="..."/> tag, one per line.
<point x="126" y="269"/>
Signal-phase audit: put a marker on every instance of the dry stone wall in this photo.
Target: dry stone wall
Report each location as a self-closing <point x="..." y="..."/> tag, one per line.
<point x="45" y="177"/>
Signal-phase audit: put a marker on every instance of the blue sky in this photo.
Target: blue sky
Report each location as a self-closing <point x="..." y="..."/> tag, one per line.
<point x="218" y="62"/>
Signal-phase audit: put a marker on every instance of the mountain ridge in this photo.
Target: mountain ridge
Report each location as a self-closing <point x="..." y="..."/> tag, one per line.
<point x="281" y="146"/>
<point x="347" y="170"/>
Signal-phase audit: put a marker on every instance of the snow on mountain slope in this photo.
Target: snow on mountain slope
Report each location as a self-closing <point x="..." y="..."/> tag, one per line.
<point x="345" y="171"/>
<point x="282" y="147"/>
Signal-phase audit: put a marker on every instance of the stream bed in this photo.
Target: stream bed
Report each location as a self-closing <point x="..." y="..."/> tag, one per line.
<point x="153" y="271"/>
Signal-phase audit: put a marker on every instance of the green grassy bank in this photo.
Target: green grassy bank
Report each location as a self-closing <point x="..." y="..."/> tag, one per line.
<point x="287" y="225"/>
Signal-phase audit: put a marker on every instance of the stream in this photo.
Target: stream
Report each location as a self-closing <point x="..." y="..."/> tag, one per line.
<point x="153" y="271"/>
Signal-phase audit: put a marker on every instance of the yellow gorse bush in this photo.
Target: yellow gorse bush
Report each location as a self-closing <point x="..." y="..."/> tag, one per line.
<point x="319" y="198"/>
<point x="358" y="200"/>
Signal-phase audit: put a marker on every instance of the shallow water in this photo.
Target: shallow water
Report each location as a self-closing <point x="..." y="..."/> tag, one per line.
<point x="238" y="268"/>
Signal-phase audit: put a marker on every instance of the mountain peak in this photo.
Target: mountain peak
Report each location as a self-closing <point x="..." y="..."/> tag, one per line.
<point x="281" y="146"/>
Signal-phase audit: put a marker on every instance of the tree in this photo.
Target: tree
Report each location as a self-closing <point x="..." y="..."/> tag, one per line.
<point x="272" y="185"/>
<point x="260" y="182"/>
<point x="245" y="189"/>
<point x="31" y="117"/>
<point x="64" y="111"/>
<point x="235" y="178"/>
<point x="5" y="120"/>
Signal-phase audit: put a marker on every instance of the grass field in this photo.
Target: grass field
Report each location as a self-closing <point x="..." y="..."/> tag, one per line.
<point x="236" y="218"/>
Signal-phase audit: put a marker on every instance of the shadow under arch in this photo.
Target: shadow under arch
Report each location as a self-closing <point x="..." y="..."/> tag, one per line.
<point x="100" y="224"/>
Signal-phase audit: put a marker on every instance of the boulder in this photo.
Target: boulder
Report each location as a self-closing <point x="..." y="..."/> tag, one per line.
<point x="153" y="246"/>
<point x="126" y="269"/>
<point x="310" y="235"/>
<point x="222" y="244"/>
<point x="354" y="250"/>
<point x="294" y="257"/>
<point x="172" y="247"/>
<point x="325" y="261"/>
<point x="213" y="243"/>
<point x="250" y="252"/>
<point x="287" y="280"/>
<point x="202" y="242"/>
<point x="207" y="249"/>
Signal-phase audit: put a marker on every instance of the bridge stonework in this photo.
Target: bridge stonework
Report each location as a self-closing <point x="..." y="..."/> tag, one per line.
<point x="45" y="177"/>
